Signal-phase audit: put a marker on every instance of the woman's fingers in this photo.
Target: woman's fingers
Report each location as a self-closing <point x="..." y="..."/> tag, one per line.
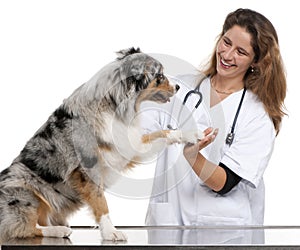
<point x="208" y="131"/>
<point x="210" y="135"/>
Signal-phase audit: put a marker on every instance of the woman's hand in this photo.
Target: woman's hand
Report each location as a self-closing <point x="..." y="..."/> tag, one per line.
<point x="211" y="174"/>
<point x="190" y="151"/>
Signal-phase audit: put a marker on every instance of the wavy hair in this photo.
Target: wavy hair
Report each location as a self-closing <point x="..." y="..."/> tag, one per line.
<point x="268" y="78"/>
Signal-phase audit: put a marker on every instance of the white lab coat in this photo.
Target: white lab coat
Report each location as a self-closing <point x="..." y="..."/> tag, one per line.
<point x="179" y="197"/>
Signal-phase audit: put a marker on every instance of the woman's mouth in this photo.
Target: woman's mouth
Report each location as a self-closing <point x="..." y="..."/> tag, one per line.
<point x="225" y="65"/>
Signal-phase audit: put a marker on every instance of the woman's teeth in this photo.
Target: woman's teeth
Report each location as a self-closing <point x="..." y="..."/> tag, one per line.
<point x="225" y="64"/>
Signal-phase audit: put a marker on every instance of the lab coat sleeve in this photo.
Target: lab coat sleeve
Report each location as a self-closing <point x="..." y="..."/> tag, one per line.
<point x="252" y="148"/>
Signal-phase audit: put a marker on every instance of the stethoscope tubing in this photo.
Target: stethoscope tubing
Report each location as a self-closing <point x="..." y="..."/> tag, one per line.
<point x="186" y="97"/>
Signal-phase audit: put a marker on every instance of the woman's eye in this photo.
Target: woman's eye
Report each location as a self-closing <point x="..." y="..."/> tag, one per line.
<point x="241" y="52"/>
<point x="226" y="42"/>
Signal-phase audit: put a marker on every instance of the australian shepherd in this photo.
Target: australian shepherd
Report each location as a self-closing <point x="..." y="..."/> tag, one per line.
<point x="67" y="162"/>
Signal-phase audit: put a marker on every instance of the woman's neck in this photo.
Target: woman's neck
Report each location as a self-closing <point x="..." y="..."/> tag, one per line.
<point x="226" y="86"/>
<point x="222" y="88"/>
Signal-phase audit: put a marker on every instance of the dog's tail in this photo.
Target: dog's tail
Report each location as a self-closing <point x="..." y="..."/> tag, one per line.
<point x="125" y="52"/>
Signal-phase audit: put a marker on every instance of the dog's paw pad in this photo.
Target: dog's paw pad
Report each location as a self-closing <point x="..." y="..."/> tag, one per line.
<point x="115" y="235"/>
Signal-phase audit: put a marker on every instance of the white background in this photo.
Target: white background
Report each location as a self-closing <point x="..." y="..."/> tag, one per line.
<point x="49" y="48"/>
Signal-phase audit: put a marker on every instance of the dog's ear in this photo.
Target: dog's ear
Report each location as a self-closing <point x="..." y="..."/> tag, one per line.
<point x="125" y="52"/>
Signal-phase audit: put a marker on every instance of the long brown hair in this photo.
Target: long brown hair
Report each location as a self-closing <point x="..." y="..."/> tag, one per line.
<point x="267" y="79"/>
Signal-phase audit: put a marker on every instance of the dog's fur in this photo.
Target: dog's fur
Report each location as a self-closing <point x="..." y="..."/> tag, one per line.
<point x="66" y="164"/>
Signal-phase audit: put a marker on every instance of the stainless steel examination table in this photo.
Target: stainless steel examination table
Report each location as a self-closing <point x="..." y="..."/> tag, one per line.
<point x="168" y="237"/>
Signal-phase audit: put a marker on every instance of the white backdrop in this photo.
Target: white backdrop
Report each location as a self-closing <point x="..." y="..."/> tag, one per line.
<point x="49" y="47"/>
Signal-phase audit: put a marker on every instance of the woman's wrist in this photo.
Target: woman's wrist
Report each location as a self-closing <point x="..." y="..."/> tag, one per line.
<point x="211" y="174"/>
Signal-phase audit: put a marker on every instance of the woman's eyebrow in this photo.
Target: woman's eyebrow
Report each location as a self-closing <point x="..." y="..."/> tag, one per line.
<point x="227" y="39"/>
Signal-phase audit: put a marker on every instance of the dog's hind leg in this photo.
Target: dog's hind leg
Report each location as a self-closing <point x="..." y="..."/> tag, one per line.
<point x="52" y="231"/>
<point x="20" y="211"/>
<point x="42" y="229"/>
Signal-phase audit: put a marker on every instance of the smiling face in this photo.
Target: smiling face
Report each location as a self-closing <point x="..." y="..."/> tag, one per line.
<point x="234" y="53"/>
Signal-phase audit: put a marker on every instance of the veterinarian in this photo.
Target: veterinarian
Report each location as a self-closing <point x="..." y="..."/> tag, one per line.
<point x="219" y="180"/>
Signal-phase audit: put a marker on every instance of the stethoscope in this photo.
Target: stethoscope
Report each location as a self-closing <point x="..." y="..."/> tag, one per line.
<point x="191" y="92"/>
<point x="230" y="136"/>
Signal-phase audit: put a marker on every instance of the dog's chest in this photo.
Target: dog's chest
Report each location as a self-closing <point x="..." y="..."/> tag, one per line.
<point x="124" y="142"/>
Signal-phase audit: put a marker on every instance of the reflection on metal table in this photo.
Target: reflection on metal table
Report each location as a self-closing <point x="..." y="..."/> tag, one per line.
<point x="175" y="237"/>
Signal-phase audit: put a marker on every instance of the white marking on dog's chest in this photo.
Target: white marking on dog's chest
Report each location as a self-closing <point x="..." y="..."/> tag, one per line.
<point x="126" y="141"/>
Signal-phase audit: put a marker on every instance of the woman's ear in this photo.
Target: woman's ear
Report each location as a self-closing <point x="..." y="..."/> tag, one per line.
<point x="252" y="67"/>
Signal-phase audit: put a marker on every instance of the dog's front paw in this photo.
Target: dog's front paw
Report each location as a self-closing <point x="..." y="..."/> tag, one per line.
<point x="192" y="136"/>
<point x="109" y="232"/>
<point x="174" y="136"/>
<point x="114" y="235"/>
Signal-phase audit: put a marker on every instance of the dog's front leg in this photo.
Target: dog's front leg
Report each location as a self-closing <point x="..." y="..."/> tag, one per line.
<point x="171" y="136"/>
<point x="108" y="231"/>
<point x="96" y="200"/>
<point x="174" y="136"/>
<point x="94" y="197"/>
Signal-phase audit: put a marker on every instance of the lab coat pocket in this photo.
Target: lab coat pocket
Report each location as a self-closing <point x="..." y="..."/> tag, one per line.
<point x="215" y="220"/>
<point x="161" y="213"/>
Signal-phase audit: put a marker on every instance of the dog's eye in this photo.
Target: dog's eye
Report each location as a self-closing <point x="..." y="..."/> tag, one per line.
<point x="160" y="78"/>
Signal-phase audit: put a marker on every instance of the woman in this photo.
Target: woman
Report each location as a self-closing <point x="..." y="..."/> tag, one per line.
<point x="219" y="181"/>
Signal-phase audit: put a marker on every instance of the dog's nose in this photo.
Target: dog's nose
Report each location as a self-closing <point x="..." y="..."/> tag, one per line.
<point x="177" y="87"/>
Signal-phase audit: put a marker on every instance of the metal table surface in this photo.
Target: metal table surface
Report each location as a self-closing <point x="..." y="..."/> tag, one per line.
<point x="170" y="237"/>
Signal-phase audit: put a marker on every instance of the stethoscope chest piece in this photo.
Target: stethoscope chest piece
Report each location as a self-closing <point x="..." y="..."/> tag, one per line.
<point x="229" y="138"/>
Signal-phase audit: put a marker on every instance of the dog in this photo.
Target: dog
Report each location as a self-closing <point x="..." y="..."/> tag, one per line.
<point x="68" y="161"/>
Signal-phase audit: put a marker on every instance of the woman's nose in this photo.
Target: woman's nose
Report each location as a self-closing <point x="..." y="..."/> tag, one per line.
<point x="228" y="54"/>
